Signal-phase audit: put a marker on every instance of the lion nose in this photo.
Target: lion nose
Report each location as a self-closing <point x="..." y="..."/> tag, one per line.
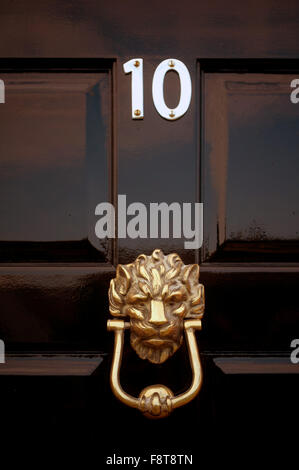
<point x="157" y="313"/>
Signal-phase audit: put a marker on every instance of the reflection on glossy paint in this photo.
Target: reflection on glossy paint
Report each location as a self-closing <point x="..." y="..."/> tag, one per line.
<point x="53" y="161"/>
<point x="257" y="173"/>
<point x="217" y="149"/>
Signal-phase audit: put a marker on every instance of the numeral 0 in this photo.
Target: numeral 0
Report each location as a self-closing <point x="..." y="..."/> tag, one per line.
<point x="135" y="66"/>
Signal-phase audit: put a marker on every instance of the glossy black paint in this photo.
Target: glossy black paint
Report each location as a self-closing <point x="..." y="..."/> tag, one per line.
<point x="51" y="306"/>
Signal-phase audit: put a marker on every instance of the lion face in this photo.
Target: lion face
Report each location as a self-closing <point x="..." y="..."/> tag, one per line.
<point x="157" y="323"/>
<point x="157" y="292"/>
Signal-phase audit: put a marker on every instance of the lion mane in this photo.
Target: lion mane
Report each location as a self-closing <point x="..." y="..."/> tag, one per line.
<point x="153" y="276"/>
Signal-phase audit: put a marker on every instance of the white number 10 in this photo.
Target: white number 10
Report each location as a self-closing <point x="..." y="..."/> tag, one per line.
<point x="135" y="66"/>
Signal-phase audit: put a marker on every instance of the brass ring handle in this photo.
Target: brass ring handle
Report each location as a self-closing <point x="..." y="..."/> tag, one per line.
<point x="162" y="298"/>
<point x="155" y="401"/>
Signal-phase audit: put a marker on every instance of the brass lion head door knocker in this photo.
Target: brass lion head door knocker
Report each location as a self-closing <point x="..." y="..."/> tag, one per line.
<point x="161" y="297"/>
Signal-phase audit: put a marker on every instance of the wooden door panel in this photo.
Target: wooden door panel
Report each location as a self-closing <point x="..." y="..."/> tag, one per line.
<point x="55" y="154"/>
<point x="250" y="162"/>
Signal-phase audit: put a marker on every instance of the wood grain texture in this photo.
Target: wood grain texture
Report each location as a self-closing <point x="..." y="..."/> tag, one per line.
<point x="116" y="29"/>
<point x="256" y="365"/>
<point x="51" y="365"/>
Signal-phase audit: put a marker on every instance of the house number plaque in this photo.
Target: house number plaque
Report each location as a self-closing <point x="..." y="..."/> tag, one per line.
<point x="135" y="67"/>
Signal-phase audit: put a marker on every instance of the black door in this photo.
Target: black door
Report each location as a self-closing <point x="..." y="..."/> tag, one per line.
<point x="68" y="142"/>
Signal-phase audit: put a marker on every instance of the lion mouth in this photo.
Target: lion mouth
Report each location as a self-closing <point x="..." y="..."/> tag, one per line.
<point x="154" y="348"/>
<point x="155" y="342"/>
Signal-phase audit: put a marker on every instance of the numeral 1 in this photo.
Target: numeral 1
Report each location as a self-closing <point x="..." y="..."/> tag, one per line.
<point x="135" y="67"/>
<point x="2" y="92"/>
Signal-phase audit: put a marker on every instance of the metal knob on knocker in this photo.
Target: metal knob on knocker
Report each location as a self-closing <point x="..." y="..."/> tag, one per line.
<point x="163" y="300"/>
